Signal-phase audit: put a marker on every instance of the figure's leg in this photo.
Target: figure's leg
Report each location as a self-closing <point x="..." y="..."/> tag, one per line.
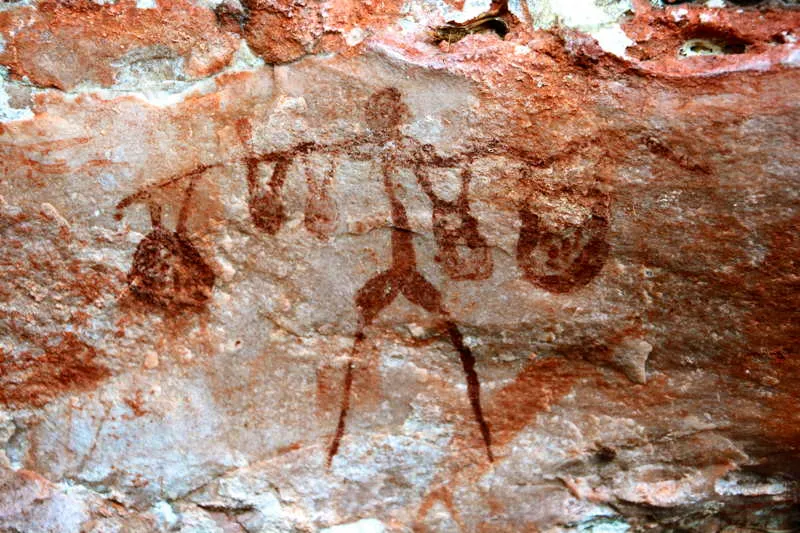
<point x="421" y="292"/>
<point x="376" y="294"/>
<point x="473" y="384"/>
<point x="344" y="406"/>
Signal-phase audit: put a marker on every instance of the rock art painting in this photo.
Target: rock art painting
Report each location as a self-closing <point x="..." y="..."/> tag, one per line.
<point x="168" y="270"/>
<point x="473" y="267"/>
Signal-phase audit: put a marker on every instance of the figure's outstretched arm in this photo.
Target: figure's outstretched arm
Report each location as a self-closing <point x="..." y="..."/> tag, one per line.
<point x="348" y="146"/>
<point x="426" y="155"/>
<point x="144" y="193"/>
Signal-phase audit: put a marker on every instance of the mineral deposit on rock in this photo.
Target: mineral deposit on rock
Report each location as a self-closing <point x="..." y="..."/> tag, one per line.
<point x="399" y="266"/>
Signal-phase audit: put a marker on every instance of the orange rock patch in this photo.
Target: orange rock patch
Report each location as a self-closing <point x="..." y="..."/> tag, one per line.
<point x="35" y="380"/>
<point x="281" y="31"/>
<point x="62" y="44"/>
<point x="713" y="38"/>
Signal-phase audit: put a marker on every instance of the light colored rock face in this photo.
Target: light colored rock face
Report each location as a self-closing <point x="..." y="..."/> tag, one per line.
<point x="286" y="267"/>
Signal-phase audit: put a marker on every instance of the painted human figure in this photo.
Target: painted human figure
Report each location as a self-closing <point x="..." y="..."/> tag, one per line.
<point x="169" y="271"/>
<point x="384" y="115"/>
<point x="572" y="256"/>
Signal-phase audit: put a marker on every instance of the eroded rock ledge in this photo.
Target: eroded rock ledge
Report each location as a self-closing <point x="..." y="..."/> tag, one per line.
<point x="284" y="266"/>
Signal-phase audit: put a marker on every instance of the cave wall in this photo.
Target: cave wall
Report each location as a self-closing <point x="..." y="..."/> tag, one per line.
<point x="386" y="266"/>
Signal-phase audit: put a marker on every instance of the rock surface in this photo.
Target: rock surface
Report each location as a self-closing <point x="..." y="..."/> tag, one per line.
<point x="284" y="266"/>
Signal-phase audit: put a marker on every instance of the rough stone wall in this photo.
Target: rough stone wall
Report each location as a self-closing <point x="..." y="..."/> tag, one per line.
<point x="390" y="266"/>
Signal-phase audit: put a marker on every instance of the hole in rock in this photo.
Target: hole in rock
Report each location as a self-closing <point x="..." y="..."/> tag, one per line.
<point x="712" y="45"/>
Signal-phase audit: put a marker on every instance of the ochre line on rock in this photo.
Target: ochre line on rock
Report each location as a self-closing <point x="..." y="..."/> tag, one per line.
<point x="473" y="385"/>
<point x="345" y="405"/>
<point x="337" y="438"/>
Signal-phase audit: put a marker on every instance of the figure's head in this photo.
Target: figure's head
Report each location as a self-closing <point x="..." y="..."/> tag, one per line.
<point x="385" y="110"/>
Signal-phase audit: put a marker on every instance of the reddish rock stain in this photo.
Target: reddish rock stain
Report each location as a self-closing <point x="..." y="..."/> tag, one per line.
<point x="34" y="380"/>
<point x="282" y="31"/>
<point x="773" y="332"/>
<point x="44" y="43"/>
<point x="540" y="384"/>
<point x="736" y="33"/>
<point x="135" y="404"/>
<point x="39" y="253"/>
